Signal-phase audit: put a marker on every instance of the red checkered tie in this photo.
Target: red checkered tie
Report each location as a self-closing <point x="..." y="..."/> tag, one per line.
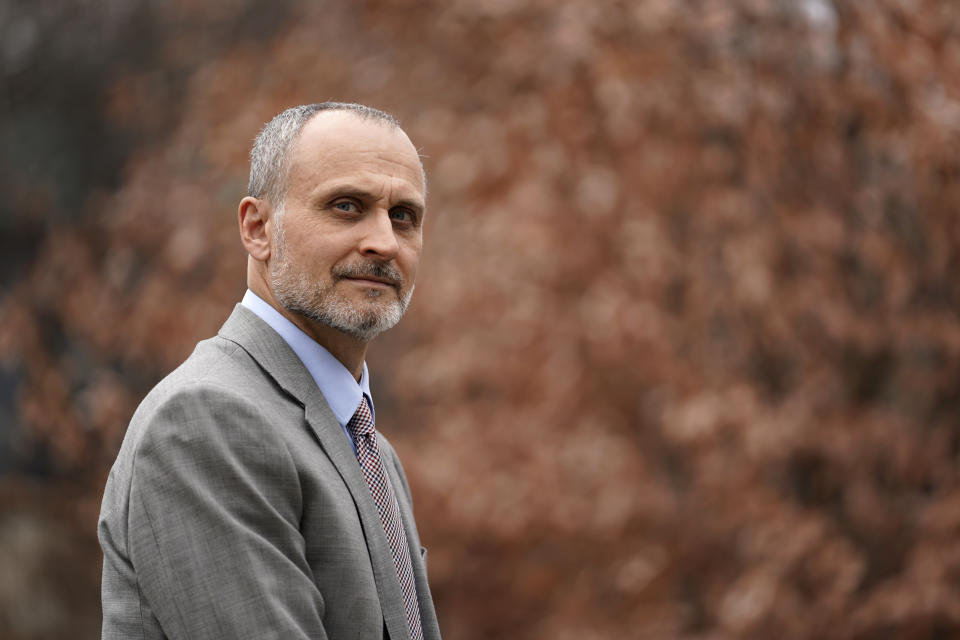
<point x="368" y="454"/>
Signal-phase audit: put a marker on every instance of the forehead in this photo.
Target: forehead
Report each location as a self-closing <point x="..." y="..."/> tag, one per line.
<point x="338" y="145"/>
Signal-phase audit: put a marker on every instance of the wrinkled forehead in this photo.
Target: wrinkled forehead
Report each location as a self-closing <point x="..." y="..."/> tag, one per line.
<point x="336" y="143"/>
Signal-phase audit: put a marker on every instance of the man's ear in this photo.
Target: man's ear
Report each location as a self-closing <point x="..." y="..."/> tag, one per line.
<point x="253" y="215"/>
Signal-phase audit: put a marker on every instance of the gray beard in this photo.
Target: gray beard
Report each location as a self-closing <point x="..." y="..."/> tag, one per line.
<point x="296" y="292"/>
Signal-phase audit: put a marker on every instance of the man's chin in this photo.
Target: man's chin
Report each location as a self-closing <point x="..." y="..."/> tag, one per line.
<point x="365" y="328"/>
<point x="362" y="319"/>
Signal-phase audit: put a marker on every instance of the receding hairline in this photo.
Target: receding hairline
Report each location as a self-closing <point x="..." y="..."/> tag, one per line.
<point x="388" y="125"/>
<point x="327" y="114"/>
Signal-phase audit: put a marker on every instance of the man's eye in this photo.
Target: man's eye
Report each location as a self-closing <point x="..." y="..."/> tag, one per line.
<point x="402" y="215"/>
<point x="348" y="207"/>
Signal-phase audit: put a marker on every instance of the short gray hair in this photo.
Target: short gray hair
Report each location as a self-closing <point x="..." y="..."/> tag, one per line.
<point x="270" y="156"/>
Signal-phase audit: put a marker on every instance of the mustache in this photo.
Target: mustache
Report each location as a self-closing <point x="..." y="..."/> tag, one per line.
<point x="379" y="270"/>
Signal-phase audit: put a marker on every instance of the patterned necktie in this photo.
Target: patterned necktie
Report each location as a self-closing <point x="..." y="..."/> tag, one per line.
<point x="368" y="454"/>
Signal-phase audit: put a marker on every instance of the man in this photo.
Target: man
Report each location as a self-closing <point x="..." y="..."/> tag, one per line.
<point x="252" y="497"/>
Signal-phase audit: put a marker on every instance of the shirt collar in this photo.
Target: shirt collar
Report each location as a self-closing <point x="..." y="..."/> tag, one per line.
<point x="338" y="386"/>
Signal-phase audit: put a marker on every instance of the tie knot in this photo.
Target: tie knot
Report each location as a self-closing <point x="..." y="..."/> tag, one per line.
<point x="361" y="424"/>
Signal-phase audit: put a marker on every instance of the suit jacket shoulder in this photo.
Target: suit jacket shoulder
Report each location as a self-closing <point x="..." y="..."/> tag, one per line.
<point x="236" y="508"/>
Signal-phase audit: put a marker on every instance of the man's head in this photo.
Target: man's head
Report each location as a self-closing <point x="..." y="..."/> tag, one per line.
<point x="333" y="219"/>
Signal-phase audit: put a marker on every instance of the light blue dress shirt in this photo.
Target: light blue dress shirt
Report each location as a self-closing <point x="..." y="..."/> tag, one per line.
<point x="338" y="386"/>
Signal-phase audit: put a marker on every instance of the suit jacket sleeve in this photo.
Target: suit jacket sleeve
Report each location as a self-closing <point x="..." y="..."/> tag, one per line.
<point x="214" y="508"/>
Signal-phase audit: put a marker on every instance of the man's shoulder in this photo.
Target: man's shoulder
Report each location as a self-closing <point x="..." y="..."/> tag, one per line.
<point x="214" y="363"/>
<point x="218" y="378"/>
<point x="217" y="407"/>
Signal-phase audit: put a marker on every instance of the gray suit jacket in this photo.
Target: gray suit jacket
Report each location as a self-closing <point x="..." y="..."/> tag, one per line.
<point x="237" y="509"/>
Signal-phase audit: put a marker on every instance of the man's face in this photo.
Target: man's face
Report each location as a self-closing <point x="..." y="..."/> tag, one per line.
<point x="347" y="242"/>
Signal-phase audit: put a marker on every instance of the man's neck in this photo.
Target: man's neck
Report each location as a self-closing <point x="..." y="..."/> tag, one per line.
<point x="348" y="350"/>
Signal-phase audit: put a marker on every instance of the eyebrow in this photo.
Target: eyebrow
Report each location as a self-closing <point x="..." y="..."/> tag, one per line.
<point x="364" y="194"/>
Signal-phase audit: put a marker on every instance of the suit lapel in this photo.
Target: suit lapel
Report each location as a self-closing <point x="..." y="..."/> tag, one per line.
<point x="275" y="356"/>
<point x="428" y="616"/>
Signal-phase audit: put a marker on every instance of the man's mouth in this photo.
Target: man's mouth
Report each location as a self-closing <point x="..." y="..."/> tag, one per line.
<point x="372" y="280"/>
<point x="375" y="274"/>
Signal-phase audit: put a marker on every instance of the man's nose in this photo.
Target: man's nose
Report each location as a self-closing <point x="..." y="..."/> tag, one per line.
<point x="379" y="238"/>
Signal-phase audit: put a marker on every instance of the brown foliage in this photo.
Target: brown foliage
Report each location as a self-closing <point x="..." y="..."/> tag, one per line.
<point x="684" y="357"/>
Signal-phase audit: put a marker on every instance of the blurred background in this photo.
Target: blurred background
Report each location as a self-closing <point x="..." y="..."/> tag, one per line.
<point x="684" y="358"/>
